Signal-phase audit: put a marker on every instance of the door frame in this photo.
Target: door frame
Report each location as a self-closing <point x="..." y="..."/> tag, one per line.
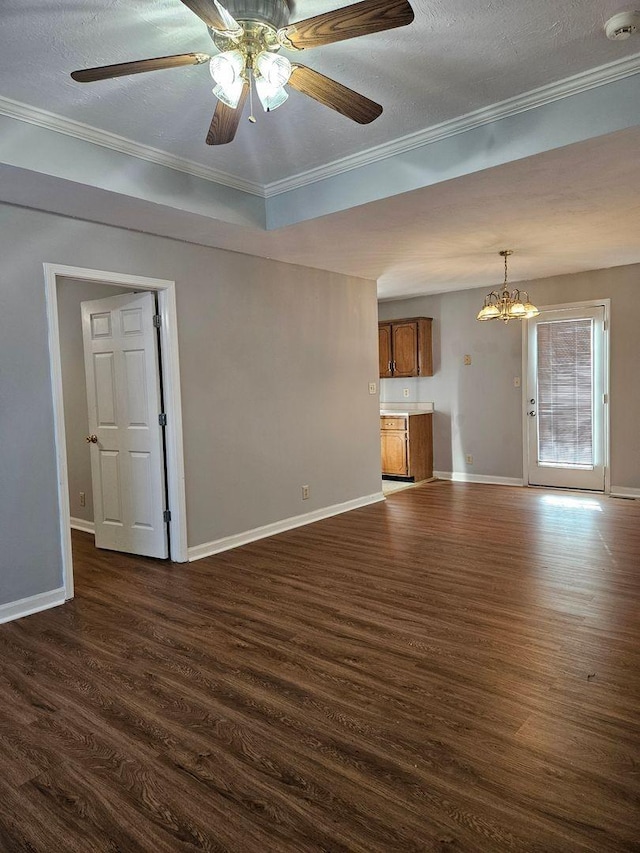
<point x="570" y="306"/>
<point x="170" y="370"/>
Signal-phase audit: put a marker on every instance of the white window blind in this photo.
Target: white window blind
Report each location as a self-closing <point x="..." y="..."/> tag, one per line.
<point x="565" y="393"/>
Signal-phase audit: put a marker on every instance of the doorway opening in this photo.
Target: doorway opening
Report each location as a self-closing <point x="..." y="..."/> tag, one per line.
<point x="170" y="378"/>
<point x="566" y="397"/>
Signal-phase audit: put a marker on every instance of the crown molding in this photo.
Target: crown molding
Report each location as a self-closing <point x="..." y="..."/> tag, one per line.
<point x="512" y="106"/>
<point x="591" y="79"/>
<point x="78" y="130"/>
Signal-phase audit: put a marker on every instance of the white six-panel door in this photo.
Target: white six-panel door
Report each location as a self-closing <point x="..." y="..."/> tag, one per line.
<point x="566" y="400"/>
<point x="126" y="441"/>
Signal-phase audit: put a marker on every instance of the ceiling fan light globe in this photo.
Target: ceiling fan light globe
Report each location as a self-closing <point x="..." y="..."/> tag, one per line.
<point x="271" y="97"/>
<point x="229" y="95"/>
<point x="226" y="68"/>
<point x="275" y="69"/>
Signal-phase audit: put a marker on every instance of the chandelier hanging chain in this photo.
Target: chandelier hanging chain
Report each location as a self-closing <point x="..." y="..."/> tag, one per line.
<point x="505" y="254"/>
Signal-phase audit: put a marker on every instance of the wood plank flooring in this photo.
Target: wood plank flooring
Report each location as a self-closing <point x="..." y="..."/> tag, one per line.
<point x="457" y="669"/>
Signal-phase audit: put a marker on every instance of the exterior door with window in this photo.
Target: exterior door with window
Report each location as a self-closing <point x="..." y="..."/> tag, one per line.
<point x="126" y="440"/>
<point x="565" y="412"/>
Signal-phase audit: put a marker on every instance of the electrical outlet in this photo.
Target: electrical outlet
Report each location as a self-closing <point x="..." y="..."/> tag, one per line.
<point x="373" y="388"/>
<point x="516" y="381"/>
<point x="467" y="360"/>
<point x="305" y="493"/>
<point x="469" y="459"/>
<point x="405" y="392"/>
<point x="83" y="499"/>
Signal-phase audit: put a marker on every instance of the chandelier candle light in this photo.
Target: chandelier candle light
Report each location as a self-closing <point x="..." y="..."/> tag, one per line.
<point x="514" y="305"/>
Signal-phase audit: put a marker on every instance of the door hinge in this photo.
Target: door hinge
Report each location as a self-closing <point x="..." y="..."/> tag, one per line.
<point x="166" y="515"/>
<point x="157" y="320"/>
<point x="162" y="419"/>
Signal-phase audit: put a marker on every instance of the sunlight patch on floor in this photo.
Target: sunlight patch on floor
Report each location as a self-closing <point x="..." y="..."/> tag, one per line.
<point x="572" y="502"/>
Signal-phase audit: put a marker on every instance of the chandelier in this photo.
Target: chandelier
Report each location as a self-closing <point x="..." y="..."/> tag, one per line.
<point x="507" y="305"/>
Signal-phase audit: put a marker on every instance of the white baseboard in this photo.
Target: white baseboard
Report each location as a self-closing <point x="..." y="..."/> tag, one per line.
<point x="624" y="492"/>
<point x="81" y="524"/>
<point x="198" y="552"/>
<point x="461" y="477"/>
<point x="33" y="604"/>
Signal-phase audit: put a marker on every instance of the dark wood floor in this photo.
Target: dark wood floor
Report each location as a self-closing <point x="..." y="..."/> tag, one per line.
<point x="457" y="669"/>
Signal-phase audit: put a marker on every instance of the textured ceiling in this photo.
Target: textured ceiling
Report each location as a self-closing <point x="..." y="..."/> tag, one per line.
<point x="457" y="56"/>
<point x="566" y="210"/>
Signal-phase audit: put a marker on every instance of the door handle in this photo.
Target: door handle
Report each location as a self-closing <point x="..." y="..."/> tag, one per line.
<point x="92" y="439"/>
<point x="531" y="414"/>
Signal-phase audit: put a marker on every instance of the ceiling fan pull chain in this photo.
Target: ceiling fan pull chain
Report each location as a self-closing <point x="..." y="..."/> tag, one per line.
<point x="252" y="118"/>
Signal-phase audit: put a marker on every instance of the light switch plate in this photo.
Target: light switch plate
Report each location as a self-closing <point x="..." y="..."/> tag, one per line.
<point x="373" y="388"/>
<point x="467" y="359"/>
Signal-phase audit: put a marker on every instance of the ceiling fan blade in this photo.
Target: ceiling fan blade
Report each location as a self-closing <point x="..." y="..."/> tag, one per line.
<point x="351" y="104"/>
<point x="214" y="15"/>
<point x="105" y="72"/>
<point x="225" y="121"/>
<point x="359" y="19"/>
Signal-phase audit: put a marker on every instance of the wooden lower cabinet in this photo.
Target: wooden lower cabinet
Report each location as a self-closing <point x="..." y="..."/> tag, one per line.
<point x="407" y="446"/>
<point x="395" y="452"/>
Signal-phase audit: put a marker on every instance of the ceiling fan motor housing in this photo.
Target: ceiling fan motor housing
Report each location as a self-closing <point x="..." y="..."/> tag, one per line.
<point x="276" y="13"/>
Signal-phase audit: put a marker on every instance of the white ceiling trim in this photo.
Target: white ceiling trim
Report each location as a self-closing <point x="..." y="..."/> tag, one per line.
<point x="521" y="103"/>
<point x="512" y="106"/>
<point x="70" y="127"/>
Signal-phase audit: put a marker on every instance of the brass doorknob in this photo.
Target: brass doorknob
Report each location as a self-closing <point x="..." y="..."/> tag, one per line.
<point x="92" y="439"/>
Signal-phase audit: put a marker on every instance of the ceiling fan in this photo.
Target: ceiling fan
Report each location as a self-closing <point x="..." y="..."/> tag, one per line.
<point x="249" y="35"/>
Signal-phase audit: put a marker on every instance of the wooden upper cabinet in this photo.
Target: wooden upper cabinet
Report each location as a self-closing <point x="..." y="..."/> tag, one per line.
<point x="404" y="338"/>
<point x="384" y="349"/>
<point x="405" y="347"/>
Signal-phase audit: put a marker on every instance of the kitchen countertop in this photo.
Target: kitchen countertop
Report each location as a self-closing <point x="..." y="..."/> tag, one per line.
<point x="406" y="409"/>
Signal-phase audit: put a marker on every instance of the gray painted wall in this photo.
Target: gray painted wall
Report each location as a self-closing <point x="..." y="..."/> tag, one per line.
<point x="479" y="411"/>
<point x="46" y="152"/>
<point x="275" y="366"/>
<point x="555" y="124"/>
<point x="70" y="295"/>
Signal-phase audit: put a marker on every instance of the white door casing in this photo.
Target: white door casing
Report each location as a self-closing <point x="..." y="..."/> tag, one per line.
<point x="165" y="291"/>
<point x="124" y="401"/>
<point x="566" y="442"/>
